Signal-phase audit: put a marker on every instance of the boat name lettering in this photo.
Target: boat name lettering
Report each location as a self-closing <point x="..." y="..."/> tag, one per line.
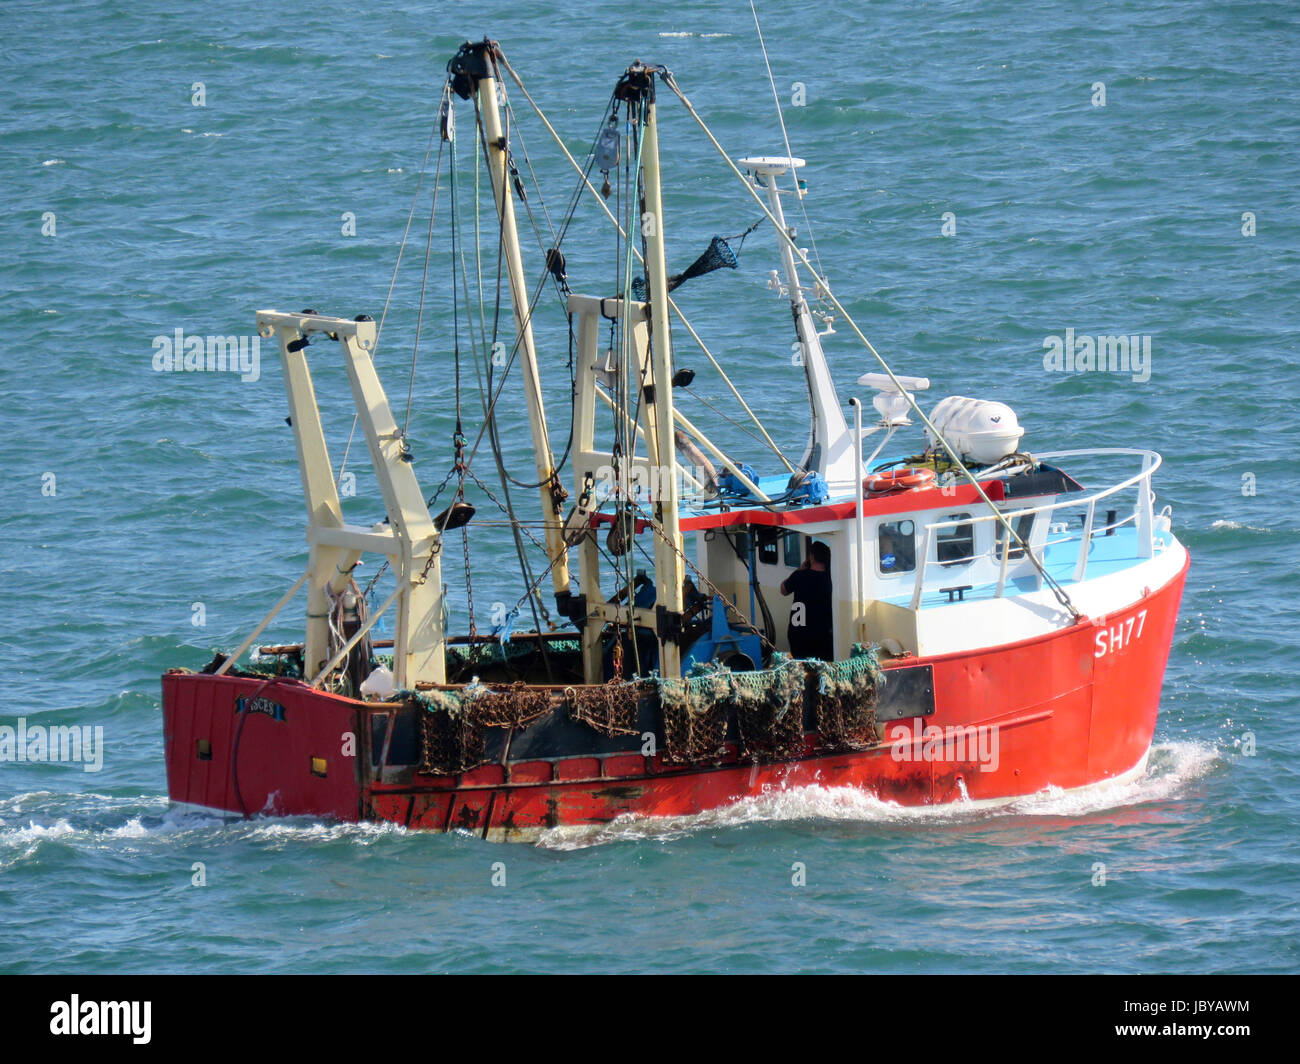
<point x="1115" y="638"/>
<point x="260" y="705"/>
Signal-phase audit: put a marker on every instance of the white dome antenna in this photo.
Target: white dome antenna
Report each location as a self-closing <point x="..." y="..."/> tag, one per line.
<point x="891" y="403"/>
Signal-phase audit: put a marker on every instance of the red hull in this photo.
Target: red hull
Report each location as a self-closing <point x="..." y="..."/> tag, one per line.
<point x="1069" y="709"/>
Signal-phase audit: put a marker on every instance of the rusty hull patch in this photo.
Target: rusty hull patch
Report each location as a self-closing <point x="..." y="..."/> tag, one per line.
<point x="624" y="793"/>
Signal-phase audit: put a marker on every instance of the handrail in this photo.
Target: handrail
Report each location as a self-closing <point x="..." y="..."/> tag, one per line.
<point x="1143" y="517"/>
<point x="1145" y="473"/>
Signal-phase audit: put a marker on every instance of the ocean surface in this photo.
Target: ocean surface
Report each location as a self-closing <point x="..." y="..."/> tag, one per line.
<point x="149" y="517"/>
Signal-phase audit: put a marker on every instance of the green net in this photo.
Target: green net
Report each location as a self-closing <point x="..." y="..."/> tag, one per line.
<point x="502" y="653"/>
<point x="845" y="699"/>
<point x="769" y="714"/>
<point x="695" y="718"/>
<point x="276" y="665"/>
<point x="454" y="721"/>
<point x="767" y="706"/>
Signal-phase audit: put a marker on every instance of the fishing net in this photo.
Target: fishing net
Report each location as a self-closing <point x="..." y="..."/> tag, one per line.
<point x="845" y="699"/>
<point x="769" y="710"/>
<point x="767" y="705"/>
<point x="454" y="721"/>
<point x="610" y="709"/>
<point x="515" y="706"/>
<point x="695" y="725"/>
<point x="451" y="735"/>
<point x="718" y="256"/>
<point x="501" y="653"/>
<point x="286" y="664"/>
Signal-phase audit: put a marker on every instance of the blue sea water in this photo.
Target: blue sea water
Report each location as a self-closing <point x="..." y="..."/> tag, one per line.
<point x="135" y="502"/>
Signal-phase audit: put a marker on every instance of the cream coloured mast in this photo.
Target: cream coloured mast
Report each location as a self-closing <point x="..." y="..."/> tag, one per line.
<point x="477" y="64"/>
<point x="480" y="68"/>
<point x="650" y="365"/>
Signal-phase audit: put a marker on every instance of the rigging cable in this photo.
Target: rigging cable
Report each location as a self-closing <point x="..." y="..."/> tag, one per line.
<point x="561" y="289"/>
<point x="776" y="99"/>
<point x="415" y="199"/>
<point x="424" y="284"/>
<point x="486" y="357"/>
<point x="584" y="184"/>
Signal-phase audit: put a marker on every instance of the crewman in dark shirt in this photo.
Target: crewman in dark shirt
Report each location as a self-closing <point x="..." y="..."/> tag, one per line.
<point x="812" y="623"/>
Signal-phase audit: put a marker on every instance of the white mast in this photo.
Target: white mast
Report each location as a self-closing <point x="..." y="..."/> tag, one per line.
<point x="830" y="450"/>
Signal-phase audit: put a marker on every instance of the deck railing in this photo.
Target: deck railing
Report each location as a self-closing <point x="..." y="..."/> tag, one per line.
<point x="1143" y="516"/>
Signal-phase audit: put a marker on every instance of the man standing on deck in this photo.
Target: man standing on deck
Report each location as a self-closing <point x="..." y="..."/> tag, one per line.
<point x="812" y="623"/>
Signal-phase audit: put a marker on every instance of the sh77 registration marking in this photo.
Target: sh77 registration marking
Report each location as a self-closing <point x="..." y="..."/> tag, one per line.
<point x="1115" y="638"/>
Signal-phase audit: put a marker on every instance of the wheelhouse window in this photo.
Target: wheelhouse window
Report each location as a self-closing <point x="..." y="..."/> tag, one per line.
<point x="1023" y="526"/>
<point x="793" y="547"/>
<point x="897" y="543"/>
<point x="956" y="545"/>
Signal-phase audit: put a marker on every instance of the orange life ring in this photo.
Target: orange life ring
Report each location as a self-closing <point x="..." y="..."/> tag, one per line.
<point x="898" y="480"/>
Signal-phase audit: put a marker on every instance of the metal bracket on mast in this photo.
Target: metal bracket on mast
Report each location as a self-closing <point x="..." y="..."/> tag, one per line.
<point x="410" y="539"/>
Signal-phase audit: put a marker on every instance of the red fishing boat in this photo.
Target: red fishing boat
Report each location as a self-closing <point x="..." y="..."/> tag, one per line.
<point x="948" y="618"/>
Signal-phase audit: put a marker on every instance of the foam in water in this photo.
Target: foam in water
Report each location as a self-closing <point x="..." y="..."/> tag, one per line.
<point x="97" y="818"/>
<point x="35" y="832"/>
<point x="1170" y="767"/>
<point x="1236" y="526"/>
<point x="29" y="820"/>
